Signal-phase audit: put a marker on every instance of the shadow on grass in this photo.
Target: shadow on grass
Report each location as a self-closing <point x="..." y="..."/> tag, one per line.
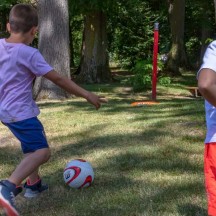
<point x="178" y="106"/>
<point x="192" y="210"/>
<point x="168" y="157"/>
<point x="10" y="155"/>
<point x="128" y="184"/>
<point x="141" y="177"/>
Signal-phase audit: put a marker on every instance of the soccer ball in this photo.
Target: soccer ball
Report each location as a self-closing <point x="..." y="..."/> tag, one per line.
<point x="78" y="174"/>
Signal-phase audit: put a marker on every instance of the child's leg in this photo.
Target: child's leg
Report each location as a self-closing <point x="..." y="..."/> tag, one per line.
<point x="210" y="176"/>
<point x="29" y="165"/>
<point x="30" y="133"/>
<point x="33" y="177"/>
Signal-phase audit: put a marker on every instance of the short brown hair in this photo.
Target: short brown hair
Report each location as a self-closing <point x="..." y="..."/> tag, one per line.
<point x="22" y="18"/>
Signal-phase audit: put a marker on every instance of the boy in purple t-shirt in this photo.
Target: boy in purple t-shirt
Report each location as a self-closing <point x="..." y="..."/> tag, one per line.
<point x="19" y="65"/>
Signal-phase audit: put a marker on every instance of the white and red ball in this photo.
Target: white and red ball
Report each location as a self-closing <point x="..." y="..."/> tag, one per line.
<point x="78" y="174"/>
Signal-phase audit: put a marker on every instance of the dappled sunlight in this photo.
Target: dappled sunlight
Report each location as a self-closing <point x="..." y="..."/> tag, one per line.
<point x="143" y="157"/>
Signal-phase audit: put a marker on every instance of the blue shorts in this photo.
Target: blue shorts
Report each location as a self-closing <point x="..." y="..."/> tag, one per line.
<point x="30" y="133"/>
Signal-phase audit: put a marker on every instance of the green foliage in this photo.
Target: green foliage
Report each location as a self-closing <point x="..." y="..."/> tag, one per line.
<point x="131" y="31"/>
<point x="86" y="6"/>
<point x="142" y="78"/>
<point x="192" y="44"/>
<point x="199" y="27"/>
<point x="77" y="27"/>
<point x="164" y="80"/>
<point x="130" y="38"/>
<point x="130" y="27"/>
<point x="6" y="4"/>
<point x="131" y="23"/>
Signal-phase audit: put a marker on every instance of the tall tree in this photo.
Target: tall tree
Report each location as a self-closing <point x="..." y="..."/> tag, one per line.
<point x="94" y="66"/>
<point x="177" y="54"/>
<point x="206" y="25"/>
<point x="215" y="9"/>
<point x="54" y="45"/>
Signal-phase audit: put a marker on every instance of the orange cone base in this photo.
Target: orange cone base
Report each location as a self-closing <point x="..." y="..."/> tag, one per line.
<point x="144" y="103"/>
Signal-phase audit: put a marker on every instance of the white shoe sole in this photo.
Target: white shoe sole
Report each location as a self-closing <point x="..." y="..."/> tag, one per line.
<point x="31" y="194"/>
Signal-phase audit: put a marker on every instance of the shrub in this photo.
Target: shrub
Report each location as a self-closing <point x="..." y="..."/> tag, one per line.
<point x="142" y="79"/>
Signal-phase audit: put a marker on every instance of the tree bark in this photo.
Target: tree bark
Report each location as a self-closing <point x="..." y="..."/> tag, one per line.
<point x="205" y="34"/>
<point x="3" y="16"/>
<point x="54" y="45"/>
<point x="72" y="64"/>
<point x="206" y="30"/>
<point x="94" y="66"/>
<point x="215" y="9"/>
<point x="177" y="55"/>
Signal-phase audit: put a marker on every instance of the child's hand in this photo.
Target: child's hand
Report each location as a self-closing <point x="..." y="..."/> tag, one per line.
<point x="96" y="100"/>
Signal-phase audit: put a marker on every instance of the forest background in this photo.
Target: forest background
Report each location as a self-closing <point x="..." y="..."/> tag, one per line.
<point x="88" y="37"/>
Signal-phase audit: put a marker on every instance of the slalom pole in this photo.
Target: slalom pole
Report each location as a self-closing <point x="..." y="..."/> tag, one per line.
<point x="155" y="59"/>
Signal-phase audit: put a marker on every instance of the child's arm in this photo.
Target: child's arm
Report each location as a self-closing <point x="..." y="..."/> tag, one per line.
<point x="71" y="87"/>
<point x="207" y="85"/>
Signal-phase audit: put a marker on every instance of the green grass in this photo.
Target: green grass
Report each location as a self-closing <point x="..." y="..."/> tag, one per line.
<point x="148" y="160"/>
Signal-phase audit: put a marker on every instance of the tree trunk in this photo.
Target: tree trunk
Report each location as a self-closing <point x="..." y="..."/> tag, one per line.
<point x="54" y="45"/>
<point x="205" y="34"/>
<point x="215" y="9"/>
<point x="94" y="66"/>
<point x="206" y="30"/>
<point x="3" y="16"/>
<point x="72" y="64"/>
<point x="177" y="54"/>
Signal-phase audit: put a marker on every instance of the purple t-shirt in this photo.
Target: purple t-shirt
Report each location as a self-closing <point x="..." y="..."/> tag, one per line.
<point x="19" y="65"/>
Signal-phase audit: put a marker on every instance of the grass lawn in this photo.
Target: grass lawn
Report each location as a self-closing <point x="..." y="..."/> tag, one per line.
<point x="147" y="160"/>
